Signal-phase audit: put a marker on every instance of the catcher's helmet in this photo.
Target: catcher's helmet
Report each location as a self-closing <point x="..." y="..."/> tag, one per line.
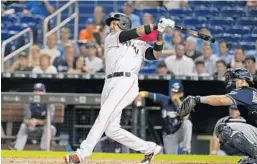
<point x="39" y="86"/>
<point x="124" y="21"/>
<point x="240" y="73"/>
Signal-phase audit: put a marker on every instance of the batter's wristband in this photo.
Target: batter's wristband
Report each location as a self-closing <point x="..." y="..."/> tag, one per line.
<point x="155" y="26"/>
<point x="147" y="29"/>
<point x="157" y="47"/>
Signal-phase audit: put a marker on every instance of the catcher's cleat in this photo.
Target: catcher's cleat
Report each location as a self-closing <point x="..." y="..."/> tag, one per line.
<point x="247" y="160"/>
<point x="71" y="159"/>
<point x="149" y="157"/>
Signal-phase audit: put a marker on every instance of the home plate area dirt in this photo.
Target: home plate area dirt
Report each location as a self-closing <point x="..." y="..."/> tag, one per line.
<point x="60" y="161"/>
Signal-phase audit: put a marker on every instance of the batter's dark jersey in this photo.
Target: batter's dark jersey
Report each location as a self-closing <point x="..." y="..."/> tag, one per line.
<point x="246" y="100"/>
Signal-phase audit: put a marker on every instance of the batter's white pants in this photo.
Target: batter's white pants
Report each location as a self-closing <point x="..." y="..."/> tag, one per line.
<point x="183" y="136"/>
<point x="118" y="92"/>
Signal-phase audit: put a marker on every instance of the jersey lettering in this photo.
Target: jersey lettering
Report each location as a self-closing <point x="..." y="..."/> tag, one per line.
<point x="254" y="97"/>
<point x="130" y="44"/>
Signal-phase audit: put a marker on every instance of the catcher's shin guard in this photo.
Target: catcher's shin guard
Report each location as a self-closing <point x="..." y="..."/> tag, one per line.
<point x="236" y="140"/>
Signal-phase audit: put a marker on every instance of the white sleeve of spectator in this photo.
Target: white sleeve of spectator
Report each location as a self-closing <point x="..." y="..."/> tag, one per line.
<point x="112" y="40"/>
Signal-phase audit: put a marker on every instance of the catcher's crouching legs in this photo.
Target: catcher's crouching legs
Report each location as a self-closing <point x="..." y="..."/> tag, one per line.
<point x="237" y="140"/>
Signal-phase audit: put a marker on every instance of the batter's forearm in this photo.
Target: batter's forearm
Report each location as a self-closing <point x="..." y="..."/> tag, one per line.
<point x="158" y="46"/>
<point x="146" y="29"/>
<point x="136" y="32"/>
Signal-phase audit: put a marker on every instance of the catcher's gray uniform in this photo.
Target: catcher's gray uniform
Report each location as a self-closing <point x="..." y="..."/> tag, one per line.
<point x="239" y="124"/>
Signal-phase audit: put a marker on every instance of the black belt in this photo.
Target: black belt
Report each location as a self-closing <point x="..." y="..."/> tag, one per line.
<point x="118" y="74"/>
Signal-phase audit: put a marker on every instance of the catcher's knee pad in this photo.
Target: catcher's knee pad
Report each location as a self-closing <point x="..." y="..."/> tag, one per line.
<point x="224" y="132"/>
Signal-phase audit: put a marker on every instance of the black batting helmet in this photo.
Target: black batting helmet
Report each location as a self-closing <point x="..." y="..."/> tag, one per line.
<point x="124" y="21"/>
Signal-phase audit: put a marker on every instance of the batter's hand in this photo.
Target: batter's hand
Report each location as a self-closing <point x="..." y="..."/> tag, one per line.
<point x="164" y="23"/>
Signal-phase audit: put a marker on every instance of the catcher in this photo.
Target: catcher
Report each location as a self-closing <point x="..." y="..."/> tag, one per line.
<point x="239" y="83"/>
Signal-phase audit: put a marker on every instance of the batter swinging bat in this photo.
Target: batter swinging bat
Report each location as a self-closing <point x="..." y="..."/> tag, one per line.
<point x="196" y="34"/>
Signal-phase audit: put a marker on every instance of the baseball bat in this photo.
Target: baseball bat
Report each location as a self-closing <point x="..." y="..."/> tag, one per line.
<point x="196" y="34"/>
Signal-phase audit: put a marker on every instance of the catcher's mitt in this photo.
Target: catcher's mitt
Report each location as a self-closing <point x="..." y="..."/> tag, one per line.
<point x="186" y="106"/>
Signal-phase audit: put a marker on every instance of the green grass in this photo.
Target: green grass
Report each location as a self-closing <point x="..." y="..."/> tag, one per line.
<point x="112" y="156"/>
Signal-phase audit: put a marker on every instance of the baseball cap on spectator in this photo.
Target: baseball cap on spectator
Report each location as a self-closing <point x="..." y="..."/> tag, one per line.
<point x="90" y="45"/>
<point x="250" y="58"/>
<point x="177" y="87"/>
<point x="39" y="87"/>
<point x="90" y="21"/>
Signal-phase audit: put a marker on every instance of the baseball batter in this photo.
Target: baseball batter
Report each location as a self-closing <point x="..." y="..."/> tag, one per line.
<point x="124" y="56"/>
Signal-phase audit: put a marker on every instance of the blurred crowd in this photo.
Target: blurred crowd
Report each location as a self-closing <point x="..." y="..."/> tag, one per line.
<point x="182" y="54"/>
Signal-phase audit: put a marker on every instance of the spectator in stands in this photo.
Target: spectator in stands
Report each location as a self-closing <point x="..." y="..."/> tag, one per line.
<point x="176" y="131"/>
<point x="83" y="50"/>
<point x="41" y="7"/>
<point x="208" y="58"/>
<point x="191" y="51"/>
<point x="64" y="63"/>
<point x="169" y="48"/>
<point x="93" y="62"/>
<point x="251" y="3"/>
<point x="65" y="39"/>
<point x="224" y="52"/>
<point x="200" y="68"/>
<point x="161" y="69"/>
<point x="45" y="65"/>
<point x="221" y="68"/>
<point x="22" y="64"/>
<point x="175" y="4"/>
<point x="34" y="56"/>
<point x="99" y="16"/>
<point x="80" y="66"/>
<point x="146" y="4"/>
<point x="128" y="10"/>
<point x="250" y="64"/>
<point x="148" y="19"/>
<point x="51" y="49"/>
<point x="35" y="121"/>
<point x="239" y="57"/>
<point x="87" y="33"/>
<point x="214" y="46"/>
<point x="180" y="64"/>
<point x="253" y="52"/>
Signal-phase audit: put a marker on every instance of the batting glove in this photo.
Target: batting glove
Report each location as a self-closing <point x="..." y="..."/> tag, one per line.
<point x="170" y="23"/>
<point x="162" y="25"/>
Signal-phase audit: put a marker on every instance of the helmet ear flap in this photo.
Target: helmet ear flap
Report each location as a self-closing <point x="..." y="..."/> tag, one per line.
<point x="125" y="23"/>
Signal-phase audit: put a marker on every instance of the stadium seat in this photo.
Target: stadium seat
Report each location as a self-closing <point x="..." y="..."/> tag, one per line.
<point x="4" y="35"/>
<point x="180" y="12"/>
<point x="232" y="12"/>
<point x="219" y="4"/>
<point x="246" y="21"/>
<point x="105" y="3"/>
<point x="250" y="38"/>
<point x="198" y="22"/>
<point x="243" y="30"/>
<point x="8" y="19"/>
<point x="108" y="9"/>
<point x="199" y="3"/>
<point x="239" y="3"/>
<point x="248" y="45"/>
<point x="215" y="30"/>
<point x="206" y="12"/>
<point x="252" y="12"/>
<point x="17" y="7"/>
<point x="221" y="21"/>
<point x="16" y="27"/>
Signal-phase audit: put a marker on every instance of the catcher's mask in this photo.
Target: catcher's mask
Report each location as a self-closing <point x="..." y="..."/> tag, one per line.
<point x="233" y="74"/>
<point x="124" y="21"/>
